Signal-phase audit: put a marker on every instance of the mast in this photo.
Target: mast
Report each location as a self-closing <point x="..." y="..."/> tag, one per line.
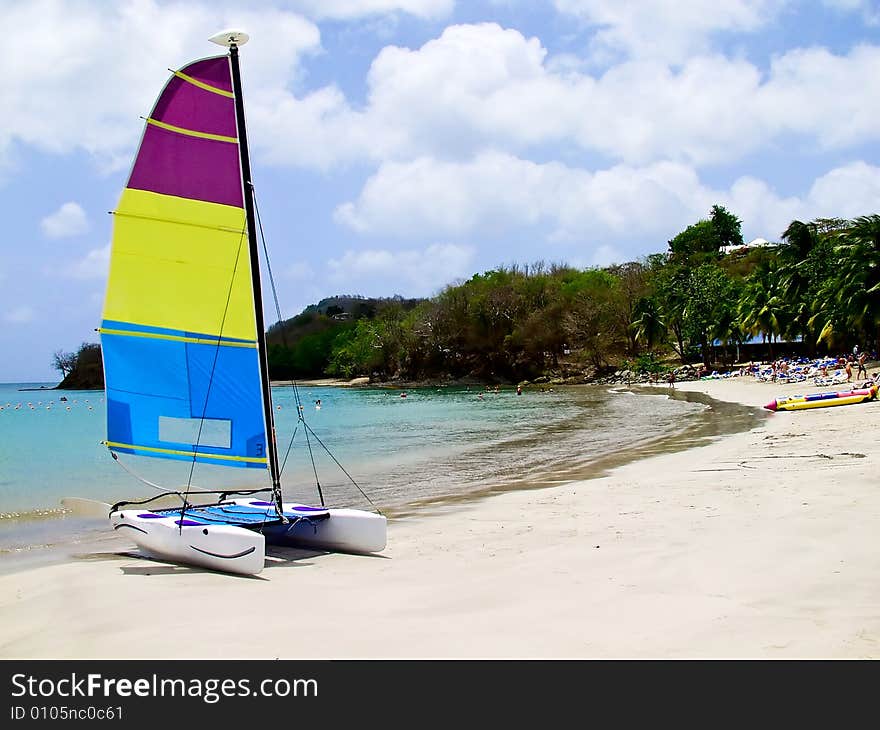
<point x="233" y="39"/>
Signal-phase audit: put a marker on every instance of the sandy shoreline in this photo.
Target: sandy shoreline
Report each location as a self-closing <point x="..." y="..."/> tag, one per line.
<point x="759" y="544"/>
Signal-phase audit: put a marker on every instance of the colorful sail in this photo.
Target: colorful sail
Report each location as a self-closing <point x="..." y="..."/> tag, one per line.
<point x="178" y="333"/>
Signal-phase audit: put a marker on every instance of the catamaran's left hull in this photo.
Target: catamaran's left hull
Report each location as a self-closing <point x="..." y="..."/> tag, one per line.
<point x="226" y="548"/>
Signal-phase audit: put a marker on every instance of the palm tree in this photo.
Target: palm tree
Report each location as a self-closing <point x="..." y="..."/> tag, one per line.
<point x="761" y="307"/>
<point x="800" y="239"/>
<point x="648" y="325"/>
<point x="858" y="275"/>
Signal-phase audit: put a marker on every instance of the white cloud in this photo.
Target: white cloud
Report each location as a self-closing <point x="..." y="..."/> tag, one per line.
<point x="299" y="271"/>
<point x="319" y="130"/>
<point x="846" y="192"/>
<point x="19" y="315"/>
<point x="95" y="264"/>
<point x="60" y="96"/>
<point x="78" y="75"/>
<point x="410" y="272"/>
<point x="604" y="255"/>
<point x="625" y="205"/>
<point x="475" y="86"/>
<point x="812" y="92"/>
<point x="480" y="86"/>
<point x="498" y="193"/>
<point x="69" y="220"/>
<point x="867" y="8"/>
<point x="663" y="30"/>
<point x="355" y="9"/>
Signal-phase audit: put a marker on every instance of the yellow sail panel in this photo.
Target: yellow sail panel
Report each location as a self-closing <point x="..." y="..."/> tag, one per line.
<point x="176" y="262"/>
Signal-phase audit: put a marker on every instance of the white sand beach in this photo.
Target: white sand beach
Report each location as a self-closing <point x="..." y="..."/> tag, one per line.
<point x="761" y="544"/>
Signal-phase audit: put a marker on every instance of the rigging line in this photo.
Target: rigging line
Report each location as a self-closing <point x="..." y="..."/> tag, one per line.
<point x="279" y="498"/>
<point x="141" y="479"/>
<point x="351" y="478"/>
<point x="299" y="406"/>
<point x="192" y="466"/>
<point x="289" y="447"/>
<point x="166" y="491"/>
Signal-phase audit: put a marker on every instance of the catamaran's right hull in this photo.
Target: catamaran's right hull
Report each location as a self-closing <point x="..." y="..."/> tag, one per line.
<point x="345" y="530"/>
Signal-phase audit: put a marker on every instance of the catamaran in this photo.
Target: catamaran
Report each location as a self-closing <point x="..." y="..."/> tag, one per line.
<point x="183" y="337"/>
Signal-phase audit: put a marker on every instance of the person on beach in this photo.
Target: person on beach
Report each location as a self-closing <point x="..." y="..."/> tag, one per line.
<point x="862" y="370"/>
<point x="671" y="379"/>
<point x="848" y="368"/>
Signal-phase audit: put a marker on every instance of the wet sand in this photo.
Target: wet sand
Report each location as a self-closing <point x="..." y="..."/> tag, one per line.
<point x="753" y="544"/>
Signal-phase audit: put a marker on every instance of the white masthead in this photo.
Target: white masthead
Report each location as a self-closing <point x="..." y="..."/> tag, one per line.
<point x="230" y="38"/>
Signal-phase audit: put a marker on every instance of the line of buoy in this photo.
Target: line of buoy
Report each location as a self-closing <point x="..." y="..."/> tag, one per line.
<point x="32" y="407"/>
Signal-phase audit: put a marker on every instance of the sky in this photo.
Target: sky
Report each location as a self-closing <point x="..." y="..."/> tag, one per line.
<point x="399" y="146"/>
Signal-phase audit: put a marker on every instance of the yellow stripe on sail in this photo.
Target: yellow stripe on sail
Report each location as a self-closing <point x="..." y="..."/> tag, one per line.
<point x="203" y="85"/>
<point x="191" y="132"/>
<point x="175" y="338"/>
<point x="180" y="452"/>
<point x="180" y="222"/>
<point x="180" y="264"/>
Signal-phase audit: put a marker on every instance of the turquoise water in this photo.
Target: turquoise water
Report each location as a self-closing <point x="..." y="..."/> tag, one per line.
<point x="434" y="445"/>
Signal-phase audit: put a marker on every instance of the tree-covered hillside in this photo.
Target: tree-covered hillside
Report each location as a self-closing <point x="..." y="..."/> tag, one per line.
<point x="700" y="299"/>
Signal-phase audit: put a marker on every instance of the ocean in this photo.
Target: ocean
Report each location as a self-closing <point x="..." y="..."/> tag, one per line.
<point x="433" y="449"/>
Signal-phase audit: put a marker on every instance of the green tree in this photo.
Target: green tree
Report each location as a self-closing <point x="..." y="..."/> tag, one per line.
<point x="858" y="277"/>
<point x="708" y="303"/>
<point x="728" y="228"/>
<point x="648" y="325"/>
<point x="87" y="372"/>
<point x="702" y="241"/>
<point x="695" y="243"/>
<point x="761" y="305"/>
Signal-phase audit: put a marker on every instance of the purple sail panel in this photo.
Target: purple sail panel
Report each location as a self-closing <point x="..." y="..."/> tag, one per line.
<point x="187" y="167"/>
<point x="185" y="105"/>
<point x="212" y="71"/>
<point x="176" y="157"/>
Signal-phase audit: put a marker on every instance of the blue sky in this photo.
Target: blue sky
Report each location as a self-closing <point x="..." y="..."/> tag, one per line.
<point x="401" y="145"/>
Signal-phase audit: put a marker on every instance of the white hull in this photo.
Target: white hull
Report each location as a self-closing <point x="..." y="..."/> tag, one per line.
<point x="234" y="549"/>
<point x="219" y="547"/>
<point x="346" y="530"/>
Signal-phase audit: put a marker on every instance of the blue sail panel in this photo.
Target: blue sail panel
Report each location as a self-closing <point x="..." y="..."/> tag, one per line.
<point x="174" y="396"/>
